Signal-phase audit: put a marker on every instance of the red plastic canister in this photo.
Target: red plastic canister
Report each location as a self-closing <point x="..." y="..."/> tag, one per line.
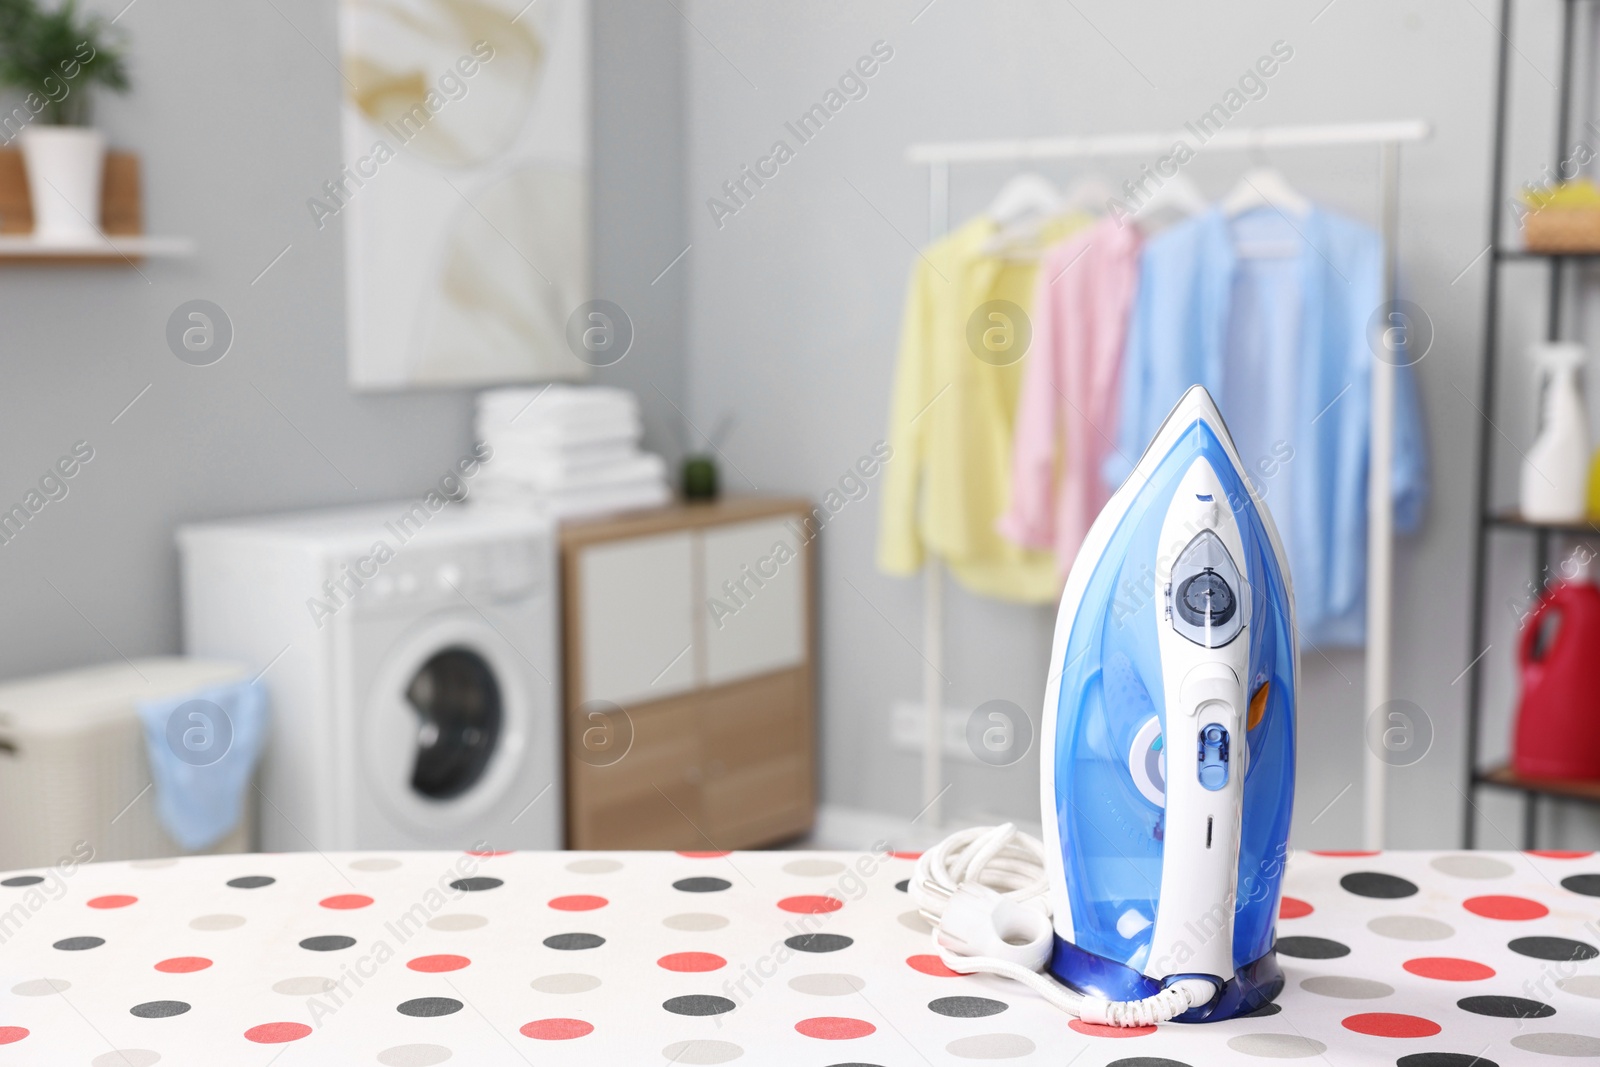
<point x="1558" y="715"/>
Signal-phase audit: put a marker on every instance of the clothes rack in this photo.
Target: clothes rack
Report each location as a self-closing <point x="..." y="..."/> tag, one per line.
<point x="939" y="157"/>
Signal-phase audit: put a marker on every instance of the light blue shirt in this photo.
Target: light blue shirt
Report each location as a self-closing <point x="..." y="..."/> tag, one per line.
<point x="1272" y="314"/>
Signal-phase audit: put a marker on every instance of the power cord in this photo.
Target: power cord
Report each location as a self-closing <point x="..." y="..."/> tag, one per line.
<point x="984" y="892"/>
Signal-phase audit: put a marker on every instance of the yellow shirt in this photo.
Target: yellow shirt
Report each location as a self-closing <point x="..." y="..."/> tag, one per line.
<point x="951" y="418"/>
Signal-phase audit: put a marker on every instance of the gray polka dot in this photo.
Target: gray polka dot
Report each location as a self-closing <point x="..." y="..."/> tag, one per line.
<point x="413" y="1055"/>
<point x="597" y="865"/>
<point x="216" y="922"/>
<point x="309" y="986"/>
<point x="1585" y="985"/>
<point x="827" y="985"/>
<point x="967" y="1007"/>
<point x="155" y="864"/>
<point x="1345" y="988"/>
<point x="380" y="863"/>
<point x="429" y="1007"/>
<point x="694" y="920"/>
<point x="1277" y="1046"/>
<point x="574" y="942"/>
<point x="21" y="880"/>
<point x="126" y="1057"/>
<point x="702" y="1051"/>
<point x="565" y="983"/>
<point x="78" y="944"/>
<point x="1411" y="928"/>
<point x="457" y="922"/>
<point x="251" y="881"/>
<point x="160" y="1009"/>
<point x="913" y="920"/>
<point x="327" y="943"/>
<point x="698" y="1004"/>
<point x="1558" y="1044"/>
<point x="813" y="868"/>
<point x="1470" y="866"/>
<point x="991" y="1047"/>
<point x="41" y="987"/>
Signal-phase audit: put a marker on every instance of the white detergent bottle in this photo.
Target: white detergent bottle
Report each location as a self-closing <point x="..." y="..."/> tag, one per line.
<point x="1555" y="470"/>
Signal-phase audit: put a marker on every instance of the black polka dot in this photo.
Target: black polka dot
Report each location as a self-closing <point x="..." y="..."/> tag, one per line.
<point x="78" y="944"/>
<point x="22" y="880"/>
<point x="1560" y="949"/>
<point x="904" y="885"/>
<point x="429" y="1007"/>
<point x="1153" y="1061"/>
<point x="158" y="1009"/>
<point x="327" y="942"/>
<point x="1443" y="1059"/>
<point x="251" y="881"/>
<point x="853" y="1063"/>
<point x="967" y="1007"/>
<point x="819" y="942"/>
<point x="573" y="942"/>
<point x="476" y="885"/>
<point x="1587" y="884"/>
<point x="1501" y="1007"/>
<point x="699" y="1004"/>
<point x="1269" y="1008"/>
<point x="1380" y="886"/>
<point x="702" y="884"/>
<point x="1312" y="948"/>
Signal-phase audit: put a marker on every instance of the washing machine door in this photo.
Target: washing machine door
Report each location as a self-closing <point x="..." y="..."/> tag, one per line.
<point x="447" y="724"/>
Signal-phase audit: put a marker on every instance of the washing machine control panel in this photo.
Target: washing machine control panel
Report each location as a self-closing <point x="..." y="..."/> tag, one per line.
<point x="489" y="571"/>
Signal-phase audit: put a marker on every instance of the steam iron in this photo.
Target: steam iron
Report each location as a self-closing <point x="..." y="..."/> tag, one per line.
<point x="1168" y="733"/>
<point x="1168" y="761"/>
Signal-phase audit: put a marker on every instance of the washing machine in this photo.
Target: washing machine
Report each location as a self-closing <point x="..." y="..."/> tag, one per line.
<point x="411" y="656"/>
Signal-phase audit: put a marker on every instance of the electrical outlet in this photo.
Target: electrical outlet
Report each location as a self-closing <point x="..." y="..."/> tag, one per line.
<point x="908" y="728"/>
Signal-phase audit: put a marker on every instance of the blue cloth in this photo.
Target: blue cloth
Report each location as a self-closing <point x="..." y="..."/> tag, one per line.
<point x="203" y="747"/>
<point x="1282" y="343"/>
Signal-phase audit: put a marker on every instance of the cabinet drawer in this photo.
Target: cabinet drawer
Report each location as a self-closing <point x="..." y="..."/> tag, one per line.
<point x="650" y="797"/>
<point x="635" y="611"/>
<point x="754" y="592"/>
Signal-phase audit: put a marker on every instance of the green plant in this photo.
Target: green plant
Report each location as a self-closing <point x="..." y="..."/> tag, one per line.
<point x="56" y="57"/>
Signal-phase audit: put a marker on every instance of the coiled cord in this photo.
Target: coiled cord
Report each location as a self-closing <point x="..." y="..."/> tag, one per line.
<point x="984" y="892"/>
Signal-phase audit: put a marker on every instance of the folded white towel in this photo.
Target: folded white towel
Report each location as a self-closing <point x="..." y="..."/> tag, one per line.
<point x="576" y="503"/>
<point x="588" y="431"/>
<point x="555" y="403"/>
<point x="639" y="467"/>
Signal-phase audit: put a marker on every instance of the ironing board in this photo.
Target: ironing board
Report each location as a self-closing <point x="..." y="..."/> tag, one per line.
<point x="810" y="958"/>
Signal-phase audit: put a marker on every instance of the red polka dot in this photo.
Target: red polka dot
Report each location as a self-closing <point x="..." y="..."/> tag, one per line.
<point x="834" y="1028"/>
<point x="1353" y="852"/>
<point x="11" y="1034"/>
<point x="906" y="855"/>
<point x="1448" y="969"/>
<point x="183" y="964"/>
<point x="809" y="905"/>
<point x="931" y="965"/>
<point x="115" y="900"/>
<point x="692" y="961"/>
<point x="277" y="1033"/>
<point x="1558" y="854"/>
<point x="488" y="853"/>
<point x="579" y="902"/>
<point x="556" y="1029"/>
<point x="435" y="964"/>
<point x="1101" y="1030"/>
<point x="345" y="901"/>
<point x="705" y="855"/>
<point x="1391" y="1024"/>
<point x="1512" y="909"/>
<point x="1293" y="908"/>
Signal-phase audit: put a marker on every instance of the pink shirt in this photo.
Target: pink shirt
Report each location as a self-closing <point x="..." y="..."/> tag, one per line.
<point x="1067" y="414"/>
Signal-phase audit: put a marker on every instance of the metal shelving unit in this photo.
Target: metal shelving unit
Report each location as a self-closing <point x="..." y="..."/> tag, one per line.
<point x="1495" y="520"/>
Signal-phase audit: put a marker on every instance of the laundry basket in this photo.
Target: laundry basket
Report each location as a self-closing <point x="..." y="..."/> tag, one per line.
<point x="74" y="776"/>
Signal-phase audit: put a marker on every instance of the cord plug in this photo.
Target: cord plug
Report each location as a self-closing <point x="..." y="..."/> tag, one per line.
<point x="978" y="921"/>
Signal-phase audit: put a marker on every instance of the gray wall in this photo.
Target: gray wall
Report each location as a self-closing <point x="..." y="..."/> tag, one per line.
<point x="236" y="116"/>
<point x="795" y="303"/>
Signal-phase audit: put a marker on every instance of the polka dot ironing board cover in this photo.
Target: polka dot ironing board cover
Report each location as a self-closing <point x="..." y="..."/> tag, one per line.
<point x="410" y="959"/>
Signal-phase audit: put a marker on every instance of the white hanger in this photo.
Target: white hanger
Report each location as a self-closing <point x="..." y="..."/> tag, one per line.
<point x="1177" y="193"/>
<point x="1264" y="187"/>
<point x="1026" y="196"/>
<point x="1091" y="192"/>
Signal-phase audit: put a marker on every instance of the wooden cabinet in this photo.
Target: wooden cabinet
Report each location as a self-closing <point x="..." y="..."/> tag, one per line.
<point x="689" y="720"/>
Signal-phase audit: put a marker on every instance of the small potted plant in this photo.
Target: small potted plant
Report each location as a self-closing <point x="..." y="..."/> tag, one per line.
<point x="56" y="58"/>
